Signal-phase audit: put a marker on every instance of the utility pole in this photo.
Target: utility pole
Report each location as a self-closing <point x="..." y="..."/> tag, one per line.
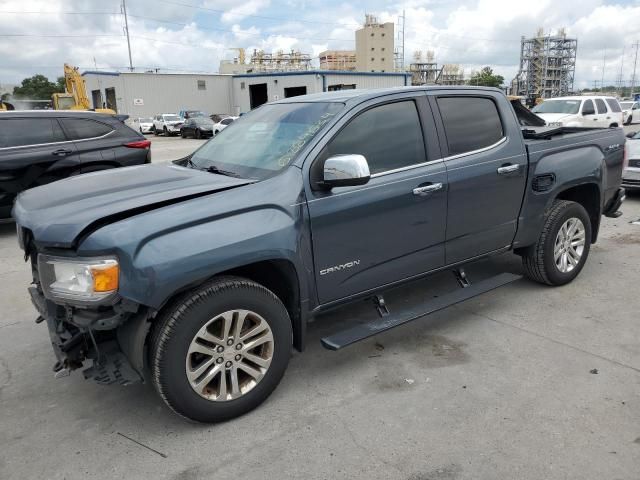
<point x="635" y="62"/>
<point x="604" y="62"/>
<point x="621" y="76"/>
<point x="126" y="30"/>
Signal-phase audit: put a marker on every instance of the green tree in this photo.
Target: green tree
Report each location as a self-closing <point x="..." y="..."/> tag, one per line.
<point x="486" y="78"/>
<point x="38" y="87"/>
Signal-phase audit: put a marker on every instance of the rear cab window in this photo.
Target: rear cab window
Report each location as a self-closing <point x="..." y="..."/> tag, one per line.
<point x="83" y="128"/>
<point x="470" y="123"/>
<point x="19" y="132"/>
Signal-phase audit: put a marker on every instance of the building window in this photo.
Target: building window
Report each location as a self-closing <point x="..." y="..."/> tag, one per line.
<point x="383" y="49"/>
<point x="202" y="85"/>
<point x="383" y="34"/>
<point x="373" y="49"/>
<point x="372" y="34"/>
<point x="373" y="59"/>
<point x="382" y="59"/>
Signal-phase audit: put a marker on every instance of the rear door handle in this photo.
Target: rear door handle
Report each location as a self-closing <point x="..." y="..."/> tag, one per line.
<point x="507" y="169"/>
<point x="61" y="153"/>
<point x="427" y="189"/>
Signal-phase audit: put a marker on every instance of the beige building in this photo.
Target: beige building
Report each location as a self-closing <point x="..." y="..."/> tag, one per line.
<point x="343" y="60"/>
<point x="374" y="46"/>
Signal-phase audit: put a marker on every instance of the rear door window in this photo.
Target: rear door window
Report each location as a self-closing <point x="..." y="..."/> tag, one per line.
<point x="614" y="105"/>
<point x="470" y="123"/>
<point x="602" y="107"/>
<point x="82" y="128"/>
<point x="18" y="132"/>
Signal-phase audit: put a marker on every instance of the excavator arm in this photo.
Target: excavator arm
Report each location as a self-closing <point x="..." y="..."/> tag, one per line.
<point x="75" y="97"/>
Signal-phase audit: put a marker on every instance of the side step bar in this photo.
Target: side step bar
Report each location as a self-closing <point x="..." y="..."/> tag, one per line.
<point x="390" y="320"/>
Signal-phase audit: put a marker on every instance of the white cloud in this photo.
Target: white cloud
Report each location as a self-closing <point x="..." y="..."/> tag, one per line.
<point x="241" y="11"/>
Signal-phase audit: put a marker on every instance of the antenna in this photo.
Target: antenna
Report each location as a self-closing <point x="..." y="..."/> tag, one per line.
<point x="126" y="30"/>
<point x="635" y="62"/>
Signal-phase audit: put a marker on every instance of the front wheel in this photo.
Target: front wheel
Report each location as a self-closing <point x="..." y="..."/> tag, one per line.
<point x="628" y="122"/>
<point x="220" y="350"/>
<point x="563" y="246"/>
<point x="198" y="135"/>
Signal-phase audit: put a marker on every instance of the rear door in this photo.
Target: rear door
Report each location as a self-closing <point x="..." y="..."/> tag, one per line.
<point x="95" y="141"/>
<point x="382" y="232"/>
<point x="486" y="167"/>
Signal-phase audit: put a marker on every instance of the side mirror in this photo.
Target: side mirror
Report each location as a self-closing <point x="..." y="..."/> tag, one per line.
<point x="588" y="111"/>
<point x="345" y="171"/>
<point x="631" y="134"/>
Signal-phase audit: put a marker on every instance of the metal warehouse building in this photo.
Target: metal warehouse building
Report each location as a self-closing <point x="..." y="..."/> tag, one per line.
<point x="147" y="94"/>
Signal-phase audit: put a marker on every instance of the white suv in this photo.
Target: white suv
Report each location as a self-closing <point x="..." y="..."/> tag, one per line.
<point x="587" y="111"/>
<point x="167" y="123"/>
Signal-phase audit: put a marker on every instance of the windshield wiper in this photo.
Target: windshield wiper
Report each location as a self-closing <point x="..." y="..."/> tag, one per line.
<point x="218" y="171"/>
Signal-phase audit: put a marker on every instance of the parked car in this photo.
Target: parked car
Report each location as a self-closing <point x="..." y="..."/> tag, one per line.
<point x="197" y="127"/>
<point x="41" y="146"/>
<point x="630" y="112"/>
<point x="587" y="111"/>
<point x="191" y="114"/>
<point x="631" y="172"/>
<point x="222" y="124"/>
<point x="203" y="276"/>
<point x="143" y="124"/>
<point x="167" y="124"/>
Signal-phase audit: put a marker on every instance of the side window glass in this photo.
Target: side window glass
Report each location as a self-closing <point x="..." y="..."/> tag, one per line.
<point x="389" y="137"/>
<point x="588" y="106"/>
<point x="470" y="123"/>
<point x="81" y="128"/>
<point x="17" y="132"/>
<point x="614" y="105"/>
<point x="602" y="108"/>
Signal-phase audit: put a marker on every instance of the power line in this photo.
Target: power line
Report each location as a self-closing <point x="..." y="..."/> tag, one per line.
<point x="12" y="35"/>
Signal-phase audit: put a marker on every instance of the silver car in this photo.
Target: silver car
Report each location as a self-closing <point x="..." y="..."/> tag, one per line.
<point x="631" y="173"/>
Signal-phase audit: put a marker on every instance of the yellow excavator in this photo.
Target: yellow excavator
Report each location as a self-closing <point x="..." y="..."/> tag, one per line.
<point x="75" y="96"/>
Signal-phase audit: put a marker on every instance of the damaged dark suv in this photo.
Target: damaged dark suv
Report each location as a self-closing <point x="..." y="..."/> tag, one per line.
<point x="199" y="277"/>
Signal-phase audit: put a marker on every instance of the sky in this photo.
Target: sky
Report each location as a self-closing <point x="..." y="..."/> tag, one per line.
<point x="38" y="36"/>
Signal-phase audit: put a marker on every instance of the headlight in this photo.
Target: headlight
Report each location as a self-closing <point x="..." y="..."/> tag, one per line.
<point x="81" y="279"/>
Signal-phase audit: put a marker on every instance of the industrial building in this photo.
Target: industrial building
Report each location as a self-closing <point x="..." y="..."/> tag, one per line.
<point x="425" y="71"/>
<point x="547" y="66"/>
<point x="374" y="46"/>
<point x="147" y="94"/>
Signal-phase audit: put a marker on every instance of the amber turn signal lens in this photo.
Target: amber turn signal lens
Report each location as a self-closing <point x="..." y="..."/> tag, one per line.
<point x="105" y="278"/>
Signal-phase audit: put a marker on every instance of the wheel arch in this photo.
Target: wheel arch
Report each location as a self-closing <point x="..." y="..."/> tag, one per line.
<point x="589" y="196"/>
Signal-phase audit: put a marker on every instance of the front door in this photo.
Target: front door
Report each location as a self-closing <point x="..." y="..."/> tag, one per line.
<point x="486" y="167"/>
<point x="589" y="114"/>
<point x="391" y="228"/>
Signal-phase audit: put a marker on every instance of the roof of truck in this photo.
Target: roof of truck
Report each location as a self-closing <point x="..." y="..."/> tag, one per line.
<point x="365" y="94"/>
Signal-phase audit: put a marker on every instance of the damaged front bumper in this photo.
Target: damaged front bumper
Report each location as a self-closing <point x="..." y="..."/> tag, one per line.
<point x="105" y="343"/>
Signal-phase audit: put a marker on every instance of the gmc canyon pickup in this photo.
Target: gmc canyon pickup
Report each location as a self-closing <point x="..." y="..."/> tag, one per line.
<point x="201" y="276"/>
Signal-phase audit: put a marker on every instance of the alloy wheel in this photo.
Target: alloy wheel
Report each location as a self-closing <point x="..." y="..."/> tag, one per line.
<point x="569" y="245"/>
<point x="229" y="355"/>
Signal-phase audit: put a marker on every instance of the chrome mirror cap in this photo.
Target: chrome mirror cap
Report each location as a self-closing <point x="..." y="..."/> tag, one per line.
<point x="346" y="170"/>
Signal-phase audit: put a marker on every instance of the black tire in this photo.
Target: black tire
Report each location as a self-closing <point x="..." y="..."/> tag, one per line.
<point x="216" y="132"/>
<point x="538" y="261"/>
<point x="165" y="131"/>
<point x="179" y="322"/>
<point x="628" y="122"/>
<point x="155" y="131"/>
<point x="198" y="135"/>
<point x="182" y="134"/>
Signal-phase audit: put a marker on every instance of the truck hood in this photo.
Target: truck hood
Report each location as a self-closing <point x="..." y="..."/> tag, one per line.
<point x="58" y="213"/>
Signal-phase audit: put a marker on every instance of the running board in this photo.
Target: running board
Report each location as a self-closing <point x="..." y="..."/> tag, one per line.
<point x="390" y="320"/>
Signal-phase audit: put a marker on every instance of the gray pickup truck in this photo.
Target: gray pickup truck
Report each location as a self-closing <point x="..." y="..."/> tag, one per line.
<point x="200" y="276"/>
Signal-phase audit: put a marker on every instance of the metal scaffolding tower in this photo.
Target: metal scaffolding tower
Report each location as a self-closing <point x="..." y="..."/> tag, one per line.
<point x="547" y="65"/>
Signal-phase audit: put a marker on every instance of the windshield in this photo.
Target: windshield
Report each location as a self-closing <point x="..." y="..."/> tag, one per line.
<point x="558" y="106"/>
<point x="146" y="120"/>
<point x="626" y="105"/>
<point x="171" y="118"/>
<point x="266" y="140"/>
<point x="195" y="113"/>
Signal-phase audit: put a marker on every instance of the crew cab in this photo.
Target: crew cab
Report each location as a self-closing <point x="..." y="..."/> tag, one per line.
<point x="199" y="277"/>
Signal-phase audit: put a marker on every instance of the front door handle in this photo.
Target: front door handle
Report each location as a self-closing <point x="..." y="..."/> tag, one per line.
<point x="427" y="189"/>
<point x="61" y="153"/>
<point x="507" y="169"/>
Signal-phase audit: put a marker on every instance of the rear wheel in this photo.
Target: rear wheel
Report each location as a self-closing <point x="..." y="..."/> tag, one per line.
<point x="183" y="134"/>
<point x="155" y="131"/>
<point x="628" y="122"/>
<point x="165" y="131"/>
<point x="220" y="350"/>
<point x="198" y="134"/>
<point x="563" y="246"/>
